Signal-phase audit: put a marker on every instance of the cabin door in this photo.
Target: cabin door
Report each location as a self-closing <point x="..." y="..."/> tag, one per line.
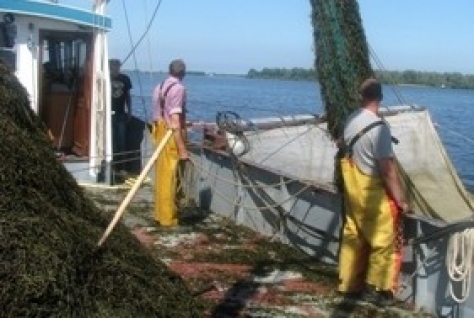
<point x="65" y="77"/>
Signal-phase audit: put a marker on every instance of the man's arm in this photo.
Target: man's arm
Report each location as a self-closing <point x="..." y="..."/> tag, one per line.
<point x="389" y="174"/>
<point x="128" y="101"/>
<point x="128" y="98"/>
<point x="178" y="135"/>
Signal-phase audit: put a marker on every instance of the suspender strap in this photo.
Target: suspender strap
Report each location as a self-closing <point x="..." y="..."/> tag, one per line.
<point x="348" y="148"/>
<point x="163" y="97"/>
<point x="362" y="132"/>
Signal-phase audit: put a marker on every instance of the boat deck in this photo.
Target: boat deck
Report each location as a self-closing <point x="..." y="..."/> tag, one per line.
<point x="240" y="273"/>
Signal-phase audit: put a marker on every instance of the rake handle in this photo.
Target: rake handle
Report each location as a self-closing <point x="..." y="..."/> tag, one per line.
<point x="135" y="187"/>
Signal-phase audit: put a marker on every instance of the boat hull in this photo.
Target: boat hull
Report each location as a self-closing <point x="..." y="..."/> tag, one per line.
<point x="303" y="215"/>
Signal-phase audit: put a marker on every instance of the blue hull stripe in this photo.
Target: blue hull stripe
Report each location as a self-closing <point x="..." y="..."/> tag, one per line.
<point x="55" y="11"/>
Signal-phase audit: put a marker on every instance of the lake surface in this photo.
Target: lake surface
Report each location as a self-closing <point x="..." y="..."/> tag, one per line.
<point x="452" y="110"/>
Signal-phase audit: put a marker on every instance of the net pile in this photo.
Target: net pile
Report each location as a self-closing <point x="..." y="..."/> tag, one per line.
<point x="49" y="229"/>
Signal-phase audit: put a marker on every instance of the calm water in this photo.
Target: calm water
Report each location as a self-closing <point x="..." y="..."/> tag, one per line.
<point x="452" y="110"/>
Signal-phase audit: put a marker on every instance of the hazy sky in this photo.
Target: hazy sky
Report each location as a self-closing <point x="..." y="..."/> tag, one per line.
<point x="233" y="36"/>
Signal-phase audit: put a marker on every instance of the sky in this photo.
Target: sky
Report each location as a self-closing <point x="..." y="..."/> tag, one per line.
<point x="233" y="36"/>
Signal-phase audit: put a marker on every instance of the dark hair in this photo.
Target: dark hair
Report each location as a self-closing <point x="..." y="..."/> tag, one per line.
<point x="115" y="62"/>
<point x="371" y="89"/>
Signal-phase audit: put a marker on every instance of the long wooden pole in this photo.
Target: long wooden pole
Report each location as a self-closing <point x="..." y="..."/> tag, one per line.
<point x="135" y="187"/>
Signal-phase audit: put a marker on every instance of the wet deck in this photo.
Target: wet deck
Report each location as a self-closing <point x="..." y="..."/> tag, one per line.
<point x="239" y="272"/>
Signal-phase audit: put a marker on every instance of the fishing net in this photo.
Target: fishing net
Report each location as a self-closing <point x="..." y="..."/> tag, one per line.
<point x="306" y="152"/>
<point x="49" y="263"/>
<point x="432" y="183"/>
<point x="342" y="58"/>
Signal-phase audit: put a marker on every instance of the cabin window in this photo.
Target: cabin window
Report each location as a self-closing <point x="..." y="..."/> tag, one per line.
<point x="8" y="33"/>
<point x="63" y="63"/>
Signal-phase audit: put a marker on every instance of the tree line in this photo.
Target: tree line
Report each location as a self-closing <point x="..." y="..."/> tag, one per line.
<point x="412" y="77"/>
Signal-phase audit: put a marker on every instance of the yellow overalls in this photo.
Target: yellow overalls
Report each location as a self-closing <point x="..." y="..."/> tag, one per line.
<point x="166" y="175"/>
<point x="370" y="250"/>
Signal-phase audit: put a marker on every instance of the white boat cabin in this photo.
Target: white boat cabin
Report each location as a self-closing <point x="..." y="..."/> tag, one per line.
<point x="59" y="54"/>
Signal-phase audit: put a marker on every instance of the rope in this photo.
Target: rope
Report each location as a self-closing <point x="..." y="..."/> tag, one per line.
<point x="236" y="201"/>
<point x="459" y="263"/>
<point x="137" y="73"/>
<point x="232" y="122"/>
<point x="111" y="162"/>
<point x="253" y="208"/>
<point x="430" y="254"/>
<point x="458" y="260"/>
<point x="207" y="172"/>
<point x="144" y="33"/>
<point x="467" y="138"/>
<point x="379" y="63"/>
<point x="286" y="144"/>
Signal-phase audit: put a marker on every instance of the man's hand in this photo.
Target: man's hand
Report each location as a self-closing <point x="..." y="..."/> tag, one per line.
<point x="404" y="207"/>
<point x="183" y="155"/>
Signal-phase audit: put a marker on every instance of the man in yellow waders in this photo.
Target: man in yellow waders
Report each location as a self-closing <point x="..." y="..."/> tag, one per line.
<point x="369" y="255"/>
<point x="169" y="112"/>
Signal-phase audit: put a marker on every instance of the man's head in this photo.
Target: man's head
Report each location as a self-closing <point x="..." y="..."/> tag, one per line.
<point x="371" y="90"/>
<point x="114" y="65"/>
<point x="177" y="68"/>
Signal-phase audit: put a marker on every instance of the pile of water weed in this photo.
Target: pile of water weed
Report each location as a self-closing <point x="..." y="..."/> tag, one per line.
<point x="49" y="229"/>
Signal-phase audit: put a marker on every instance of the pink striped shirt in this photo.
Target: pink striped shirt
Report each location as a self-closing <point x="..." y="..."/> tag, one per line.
<point x="175" y="99"/>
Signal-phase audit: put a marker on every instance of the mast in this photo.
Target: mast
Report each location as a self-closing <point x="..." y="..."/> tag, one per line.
<point x="342" y="57"/>
<point x="101" y="126"/>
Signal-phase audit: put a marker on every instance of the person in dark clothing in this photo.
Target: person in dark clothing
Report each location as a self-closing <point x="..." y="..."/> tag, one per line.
<point x="121" y="113"/>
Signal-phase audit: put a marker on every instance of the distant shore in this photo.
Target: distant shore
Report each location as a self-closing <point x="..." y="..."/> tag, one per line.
<point x="451" y="80"/>
<point x="402" y="78"/>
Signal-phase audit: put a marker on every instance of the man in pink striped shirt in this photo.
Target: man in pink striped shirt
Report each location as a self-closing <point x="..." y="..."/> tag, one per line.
<point x="169" y="104"/>
<point x="169" y="112"/>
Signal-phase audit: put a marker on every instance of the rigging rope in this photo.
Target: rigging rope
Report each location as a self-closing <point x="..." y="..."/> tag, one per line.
<point x="380" y="65"/>
<point x="459" y="259"/>
<point x="256" y="207"/>
<point x="466" y="138"/>
<point x="137" y="73"/>
<point x="287" y="143"/>
<point x="150" y="23"/>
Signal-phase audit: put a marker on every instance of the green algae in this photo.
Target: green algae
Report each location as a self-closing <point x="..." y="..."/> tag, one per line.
<point x="50" y="264"/>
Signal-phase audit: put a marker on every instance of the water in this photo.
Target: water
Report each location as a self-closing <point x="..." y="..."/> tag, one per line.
<point x="451" y="110"/>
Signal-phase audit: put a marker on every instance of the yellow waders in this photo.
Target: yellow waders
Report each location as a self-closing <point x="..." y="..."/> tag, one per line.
<point x="166" y="176"/>
<point x="370" y="250"/>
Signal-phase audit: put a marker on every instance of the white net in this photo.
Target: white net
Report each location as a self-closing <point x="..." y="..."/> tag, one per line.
<point x="432" y="181"/>
<point x="307" y="152"/>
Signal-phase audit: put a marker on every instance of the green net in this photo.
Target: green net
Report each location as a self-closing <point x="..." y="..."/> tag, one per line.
<point x="342" y="59"/>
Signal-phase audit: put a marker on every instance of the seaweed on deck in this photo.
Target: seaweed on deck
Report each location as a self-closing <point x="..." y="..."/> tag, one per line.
<point x="49" y="229"/>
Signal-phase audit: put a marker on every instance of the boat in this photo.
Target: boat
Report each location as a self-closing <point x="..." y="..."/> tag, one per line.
<point x="252" y="171"/>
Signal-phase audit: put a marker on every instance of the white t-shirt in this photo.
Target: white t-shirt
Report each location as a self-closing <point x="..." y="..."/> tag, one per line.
<point x="374" y="145"/>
